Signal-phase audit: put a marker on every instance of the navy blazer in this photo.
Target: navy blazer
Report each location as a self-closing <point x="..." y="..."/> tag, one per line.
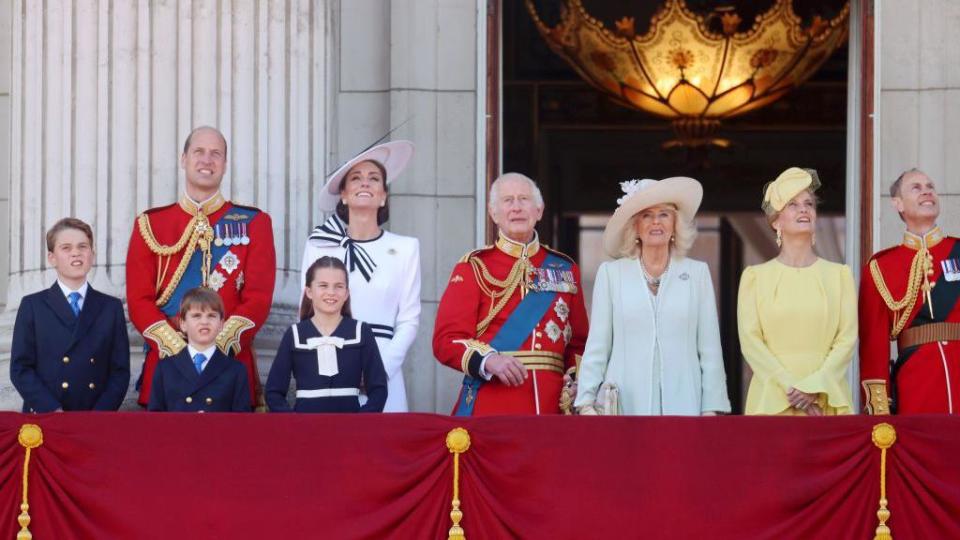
<point x="59" y="360"/>
<point x="221" y="387"/>
<point x="358" y="362"/>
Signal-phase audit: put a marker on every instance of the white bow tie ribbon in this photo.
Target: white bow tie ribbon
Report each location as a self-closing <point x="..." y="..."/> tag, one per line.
<point x="326" y="354"/>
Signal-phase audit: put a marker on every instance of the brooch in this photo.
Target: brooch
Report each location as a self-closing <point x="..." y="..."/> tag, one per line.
<point x="684" y="276"/>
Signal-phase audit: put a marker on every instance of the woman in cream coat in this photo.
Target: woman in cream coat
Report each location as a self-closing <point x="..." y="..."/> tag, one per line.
<point x="654" y="333"/>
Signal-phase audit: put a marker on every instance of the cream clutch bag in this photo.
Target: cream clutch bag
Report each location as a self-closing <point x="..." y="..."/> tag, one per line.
<point x="607" y="402"/>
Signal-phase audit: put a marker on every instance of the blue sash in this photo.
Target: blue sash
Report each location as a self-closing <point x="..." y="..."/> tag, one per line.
<point x="192" y="275"/>
<point x="513" y="333"/>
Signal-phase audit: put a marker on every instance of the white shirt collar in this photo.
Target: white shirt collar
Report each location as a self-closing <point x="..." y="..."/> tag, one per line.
<point x="67" y="290"/>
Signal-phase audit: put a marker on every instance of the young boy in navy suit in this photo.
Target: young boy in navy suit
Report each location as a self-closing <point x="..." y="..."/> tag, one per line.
<point x="70" y="350"/>
<point x="200" y="378"/>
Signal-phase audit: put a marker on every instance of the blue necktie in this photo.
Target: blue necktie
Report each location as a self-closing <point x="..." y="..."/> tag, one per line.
<point x="75" y="303"/>
<point x="198" y="360"/>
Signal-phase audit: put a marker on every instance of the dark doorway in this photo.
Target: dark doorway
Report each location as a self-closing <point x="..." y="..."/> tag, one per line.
<point x="579" y="144"/>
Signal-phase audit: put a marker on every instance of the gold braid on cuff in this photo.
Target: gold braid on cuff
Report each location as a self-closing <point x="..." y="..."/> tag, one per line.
<point x="168" y="340"/>
<point x="229" y="338"/>
<point x="472" y="346"/>
<point x="876" y="391"/>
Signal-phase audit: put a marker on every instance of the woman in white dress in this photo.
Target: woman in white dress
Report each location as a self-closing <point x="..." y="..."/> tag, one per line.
<point x="384" y="267"/>
<point x="654" y="333"/>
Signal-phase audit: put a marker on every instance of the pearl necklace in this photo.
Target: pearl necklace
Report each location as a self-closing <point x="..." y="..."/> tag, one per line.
<point x="653" y="282"/>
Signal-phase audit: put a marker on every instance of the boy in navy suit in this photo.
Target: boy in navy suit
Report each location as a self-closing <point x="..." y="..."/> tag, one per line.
<point x="200" y="378"/>
<point x="70" y="349"/>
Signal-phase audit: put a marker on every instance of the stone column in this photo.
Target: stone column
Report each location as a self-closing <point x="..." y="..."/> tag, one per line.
<point x="919" y="106"/>
<point x="102" y="95"/>
<point x="414" y="62"/>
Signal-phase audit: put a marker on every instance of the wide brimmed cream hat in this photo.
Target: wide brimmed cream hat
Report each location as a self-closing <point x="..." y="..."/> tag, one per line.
<point x="683" y="192"/>
<point x="393" y="155"/>
<point x="789" y="184"/>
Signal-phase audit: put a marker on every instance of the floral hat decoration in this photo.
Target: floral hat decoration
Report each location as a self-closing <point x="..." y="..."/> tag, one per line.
<point x="683" y="192"/>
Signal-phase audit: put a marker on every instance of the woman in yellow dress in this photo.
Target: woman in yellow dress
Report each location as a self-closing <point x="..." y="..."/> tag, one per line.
<point x="797" y="313"/>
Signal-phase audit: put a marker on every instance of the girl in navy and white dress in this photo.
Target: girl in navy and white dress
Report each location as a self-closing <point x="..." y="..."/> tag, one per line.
<point x="331" y="356"/>
<point x="384" y="267"/>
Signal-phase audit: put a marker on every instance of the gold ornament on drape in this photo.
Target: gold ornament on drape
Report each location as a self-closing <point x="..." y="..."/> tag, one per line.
<point x="30" y="437"/>
<point x="458" y="442"/>
<point x="883" y="438"/>
<point x="684" y="71"/>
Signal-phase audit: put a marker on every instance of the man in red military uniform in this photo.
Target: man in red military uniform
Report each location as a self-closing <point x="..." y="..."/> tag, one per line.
<point x="512" y="318"/>
<point x="909" y="293"/>
<point x="202" y="240"/>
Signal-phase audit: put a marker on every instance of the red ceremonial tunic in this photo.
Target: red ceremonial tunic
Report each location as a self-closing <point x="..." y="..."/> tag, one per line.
<point x="924" y="378"/>
<point x="552" y="346"/>
<point x="245" y="282"/>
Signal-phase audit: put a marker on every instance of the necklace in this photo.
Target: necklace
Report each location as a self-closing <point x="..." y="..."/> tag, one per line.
<point x="653" y="282"/>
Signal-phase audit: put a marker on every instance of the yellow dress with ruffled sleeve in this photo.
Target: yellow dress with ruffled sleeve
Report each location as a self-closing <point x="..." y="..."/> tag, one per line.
<point x="798" y="329"/>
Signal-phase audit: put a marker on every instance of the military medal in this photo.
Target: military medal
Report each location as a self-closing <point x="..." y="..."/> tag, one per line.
<point x="551" y="280"/>
<point x="244" y="239"/>
<point x="218" y="241"/>
<point x="951" y="269"/>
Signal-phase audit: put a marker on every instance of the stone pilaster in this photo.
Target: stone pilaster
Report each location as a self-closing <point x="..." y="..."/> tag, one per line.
<point x="101" y="96"/>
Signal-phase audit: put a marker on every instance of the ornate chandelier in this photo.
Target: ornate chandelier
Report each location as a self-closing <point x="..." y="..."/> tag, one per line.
<point x="683" y="71"/>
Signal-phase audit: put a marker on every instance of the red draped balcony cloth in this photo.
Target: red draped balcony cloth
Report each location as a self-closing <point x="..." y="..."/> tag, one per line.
<point x="139" y="475"/>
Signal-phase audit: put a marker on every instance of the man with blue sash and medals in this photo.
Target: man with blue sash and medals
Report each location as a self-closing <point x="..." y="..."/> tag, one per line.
<point x="909" y="294"/>
<point x="202" y="240"/>
<point x="512" y="318"/>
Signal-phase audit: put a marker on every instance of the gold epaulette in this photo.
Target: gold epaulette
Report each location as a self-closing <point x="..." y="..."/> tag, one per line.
<point x="471" y="254"/>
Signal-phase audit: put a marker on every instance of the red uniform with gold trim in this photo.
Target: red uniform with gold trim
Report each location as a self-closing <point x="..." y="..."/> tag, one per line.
<point x="909" y="294"/>
<point x="243" y="275"/>
<point x="480" y="296"/>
